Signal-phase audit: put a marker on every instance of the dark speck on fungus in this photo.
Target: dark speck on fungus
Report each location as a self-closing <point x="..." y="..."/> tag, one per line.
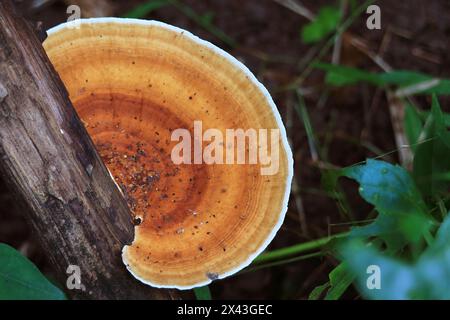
<point x="137" y="221"/>
<point x="212" y="276"/>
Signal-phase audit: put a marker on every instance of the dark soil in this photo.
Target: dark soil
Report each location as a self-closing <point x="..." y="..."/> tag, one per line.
<point x="414" y="36"/>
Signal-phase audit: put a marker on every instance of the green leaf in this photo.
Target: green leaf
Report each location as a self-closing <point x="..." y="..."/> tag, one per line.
<point x="402" y="78"/>
<point x="431" y="158"/>
<point x="396" y="277"/>
<point x="387" y="227"/>
<point x="325" y="23"/>
<point x="21" y="280"/>
<point x="446" y="116"/>
<point x="338" y="75"/>
<point x="341" y="75"/>
<point x="202" y="293"/>
<point x="402" y="216"/>
<point x="318" y="291"/>
<point x="340" y="280"/>
<point x="388" y="187"/>
<point x="413" y="125"/>
<point x="428" y="278"/>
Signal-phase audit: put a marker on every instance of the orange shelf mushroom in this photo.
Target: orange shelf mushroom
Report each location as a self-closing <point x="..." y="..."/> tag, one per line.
<point x="144" y="87"/>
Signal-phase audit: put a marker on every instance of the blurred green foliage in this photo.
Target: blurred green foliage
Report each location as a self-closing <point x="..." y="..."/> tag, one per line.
<point x="202" y="293"/>
<point x="324" y="24"/>
<point x="428" y="278"/>
<point x="409" y="239"/>
<point x="432" y="157"/>
<point x="338" y="75"/>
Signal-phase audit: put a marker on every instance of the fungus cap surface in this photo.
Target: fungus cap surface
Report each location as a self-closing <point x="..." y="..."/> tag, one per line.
<point x="134" y="82"/>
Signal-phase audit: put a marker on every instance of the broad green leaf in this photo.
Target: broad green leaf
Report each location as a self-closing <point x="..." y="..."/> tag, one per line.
<point x="402" y="216"/>
<point x="431" y="158"/>
<point x="388" y="187"/>
<point x="413" y="126"/>
<point x="434" y="266"/>
<point x="21" y="280"/>
<point x="397" y="278"/>
<point x="324" y="24"/>
<point x="427" y="278"/>
<point x="387" y="227"/>
<point x="338" y="75"/>
<point x="202" y="293"/>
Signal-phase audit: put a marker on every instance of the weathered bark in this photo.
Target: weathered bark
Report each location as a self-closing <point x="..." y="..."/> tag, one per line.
<point x="50" y="162"/>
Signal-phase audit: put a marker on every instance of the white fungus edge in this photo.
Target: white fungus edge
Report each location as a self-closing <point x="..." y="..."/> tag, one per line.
<point x="260" y="86"/>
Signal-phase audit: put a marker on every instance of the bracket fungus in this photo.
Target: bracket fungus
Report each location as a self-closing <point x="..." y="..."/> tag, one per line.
<point x="134" y="83"/>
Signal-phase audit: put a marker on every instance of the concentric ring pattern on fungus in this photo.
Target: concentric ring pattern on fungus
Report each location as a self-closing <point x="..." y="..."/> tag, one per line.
<point x="134" y="82"/>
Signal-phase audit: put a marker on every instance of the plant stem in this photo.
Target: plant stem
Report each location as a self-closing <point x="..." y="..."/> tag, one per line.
<point x="204" y="23"/>
<point x="281" y="262"/>
<point x="296" y="249"/>
<point x="144" y="9"/>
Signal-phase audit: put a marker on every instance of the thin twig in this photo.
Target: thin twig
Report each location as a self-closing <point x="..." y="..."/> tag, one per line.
<point x="362" y="46"/>
<point x="297" y="7"/>
<point x="416" y="88"/>
<point x="336" y="56"/>
<point x="304" y="116"/>
<point x="38" y="5"/>
<point x="295" y="185"/>
<point x="396" y="105"/>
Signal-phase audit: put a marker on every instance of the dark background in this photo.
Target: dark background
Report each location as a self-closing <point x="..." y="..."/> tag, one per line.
<point x="351" y="123"/>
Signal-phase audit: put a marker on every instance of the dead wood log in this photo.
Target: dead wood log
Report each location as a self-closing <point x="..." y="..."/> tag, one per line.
<point x="49" y="161"/>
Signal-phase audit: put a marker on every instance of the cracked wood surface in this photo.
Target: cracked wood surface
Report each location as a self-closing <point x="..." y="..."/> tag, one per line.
<point x="50" y="163"/>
